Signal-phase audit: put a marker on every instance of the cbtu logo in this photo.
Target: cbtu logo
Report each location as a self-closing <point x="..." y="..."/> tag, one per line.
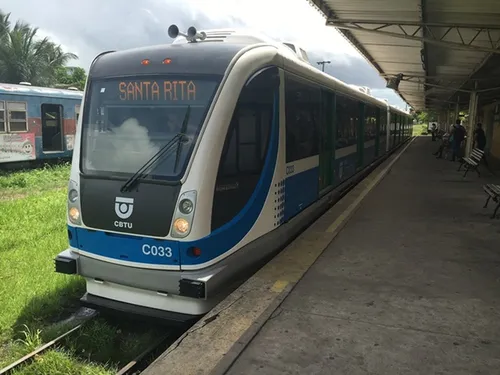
<point x="124" y="207"/>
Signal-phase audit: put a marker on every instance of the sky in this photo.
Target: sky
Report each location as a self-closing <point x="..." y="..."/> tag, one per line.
<point x="91" y="26"/>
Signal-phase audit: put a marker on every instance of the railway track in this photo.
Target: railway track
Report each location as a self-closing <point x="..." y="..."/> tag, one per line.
<point x="140" y="362"/>
<point x="85" y="315"/>
<point x="133" y="367"/>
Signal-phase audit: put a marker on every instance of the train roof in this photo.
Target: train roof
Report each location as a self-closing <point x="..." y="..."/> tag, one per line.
<point x="13" y="89"/>
<point x="202" y="58"/>
<point x="217" y="49"/>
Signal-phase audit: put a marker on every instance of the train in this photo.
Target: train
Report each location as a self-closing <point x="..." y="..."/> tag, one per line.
<point x="37" y="124"/>
<point x="197" y="160"/>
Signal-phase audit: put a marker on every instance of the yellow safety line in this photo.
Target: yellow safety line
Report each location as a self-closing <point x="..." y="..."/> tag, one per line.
<point x="279" y="285"/>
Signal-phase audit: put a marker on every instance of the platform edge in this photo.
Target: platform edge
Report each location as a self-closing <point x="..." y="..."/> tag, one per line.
<point x="211" y="349"/>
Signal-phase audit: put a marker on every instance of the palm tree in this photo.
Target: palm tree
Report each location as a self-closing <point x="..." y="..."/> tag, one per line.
<point x="24" y="57"/>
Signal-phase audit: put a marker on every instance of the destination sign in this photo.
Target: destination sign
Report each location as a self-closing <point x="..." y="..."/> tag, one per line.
<point x="158" y="90"/>
<point x="151" y="91"/>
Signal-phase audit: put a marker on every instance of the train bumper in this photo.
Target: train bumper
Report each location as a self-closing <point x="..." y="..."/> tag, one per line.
<point x="65" y="262"/>
<point x="114" y="307"/>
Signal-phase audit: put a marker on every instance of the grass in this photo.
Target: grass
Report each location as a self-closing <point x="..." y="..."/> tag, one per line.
<point x="419" y="129"/>
<point x="61" y="362"/>
<point x="98" y="348"/>
<point x="32" y="232"/>
<point x="26" y="182"/>
<point x="35" y="298"/>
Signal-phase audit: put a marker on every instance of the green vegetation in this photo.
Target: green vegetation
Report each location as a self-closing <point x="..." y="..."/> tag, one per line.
<point x="32" y="231"/>
<point x="35" y="299"/>
<point x="418" y="129"/>
<point x="29" y="182"/>
<point x="97" y="348"/>
<point x="59" y="362"/>
<point x="76" y="78"/>
<point x="24" y="57"/>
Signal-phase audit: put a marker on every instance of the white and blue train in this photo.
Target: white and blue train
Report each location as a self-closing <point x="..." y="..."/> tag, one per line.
<point x="195" y="161"/>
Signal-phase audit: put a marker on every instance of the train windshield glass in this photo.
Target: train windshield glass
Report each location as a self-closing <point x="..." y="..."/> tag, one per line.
<point x="126" y="122"/>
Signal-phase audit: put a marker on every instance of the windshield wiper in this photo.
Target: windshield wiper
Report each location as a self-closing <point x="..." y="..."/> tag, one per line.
<point x="166" y="150"/>
<point x="183" y="131"/>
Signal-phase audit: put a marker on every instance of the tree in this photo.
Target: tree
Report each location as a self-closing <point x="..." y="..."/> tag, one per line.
<point x="24" y="57"/>
<point x="76" y="78"/>
<point x="422" y="117"/>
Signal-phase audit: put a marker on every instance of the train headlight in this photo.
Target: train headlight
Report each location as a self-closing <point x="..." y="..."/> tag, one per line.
<point x="74" y="215"/>
<point x="73" y="195"/>
<point x="181" y="226"/>
<point x="74" y="210"/>
<point x="184" y="214"/>
<point x="186" y="206"/>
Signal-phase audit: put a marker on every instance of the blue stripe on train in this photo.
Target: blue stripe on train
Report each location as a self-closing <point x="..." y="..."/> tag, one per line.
<point x="212" y="246"/>
<point x="345" y="167"/>
<point x="13" y="90"/>
<point x="124" y="247"/>
<point x="301" y="190"/>
<point x="227" y="236"/>
<point x="34" y="103"/>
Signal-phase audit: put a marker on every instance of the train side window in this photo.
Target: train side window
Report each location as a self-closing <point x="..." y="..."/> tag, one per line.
<point x="17" y="117"/>
<point x="393" y="124"/>
<point x="249" y="158"/>
<point x="245" y="146"/>
<point x="302" y="111"/>
<point x="347" y="112"/>
<point x="3" y="127"/>
<point x="383" y="124"/>
<point x="370" y="122"/>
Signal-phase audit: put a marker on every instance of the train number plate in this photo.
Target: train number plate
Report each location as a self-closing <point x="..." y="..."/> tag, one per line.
<point x="157" y="251"/>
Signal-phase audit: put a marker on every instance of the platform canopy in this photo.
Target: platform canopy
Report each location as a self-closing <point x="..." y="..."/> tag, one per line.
<point x="444" y="49"/>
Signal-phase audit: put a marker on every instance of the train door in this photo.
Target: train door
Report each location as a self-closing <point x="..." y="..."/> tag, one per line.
<point x="52" y="127"/>
<point x="378" y="132"/>
<point x="361" y="135"/>
<point x="326" y="141"/>
<point x="398" y="134"/>
<point x="400" y="128"/>
<point x="393" y="129"/>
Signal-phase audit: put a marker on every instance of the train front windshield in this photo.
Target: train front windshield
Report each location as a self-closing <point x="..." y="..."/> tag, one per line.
<point x="127" y="121"/>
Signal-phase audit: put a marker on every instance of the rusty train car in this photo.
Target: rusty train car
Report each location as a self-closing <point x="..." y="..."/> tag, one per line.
<point x="37" y="124"/>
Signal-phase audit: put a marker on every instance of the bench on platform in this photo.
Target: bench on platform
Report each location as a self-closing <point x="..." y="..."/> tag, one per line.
<point x="493" y="192"/>
<point x="472" y="162"/>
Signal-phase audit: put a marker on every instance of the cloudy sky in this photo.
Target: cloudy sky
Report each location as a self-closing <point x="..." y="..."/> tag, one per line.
<point x="90" y="26"/>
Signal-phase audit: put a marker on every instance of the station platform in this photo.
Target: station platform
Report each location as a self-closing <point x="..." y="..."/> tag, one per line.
<point x="409" y="284"/>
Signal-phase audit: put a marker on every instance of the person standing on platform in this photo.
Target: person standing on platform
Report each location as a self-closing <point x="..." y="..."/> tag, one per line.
<point x="433" y="129"/>
<point x="458" y="135"/>
<point x="479" y="137"/>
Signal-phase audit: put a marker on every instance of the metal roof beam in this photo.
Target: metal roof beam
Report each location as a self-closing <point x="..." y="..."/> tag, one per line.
<point x="415" y="23"/>
<point x="425" y="34"/>
<point x="441" y="77"/>
<point x="377" y="27"/>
